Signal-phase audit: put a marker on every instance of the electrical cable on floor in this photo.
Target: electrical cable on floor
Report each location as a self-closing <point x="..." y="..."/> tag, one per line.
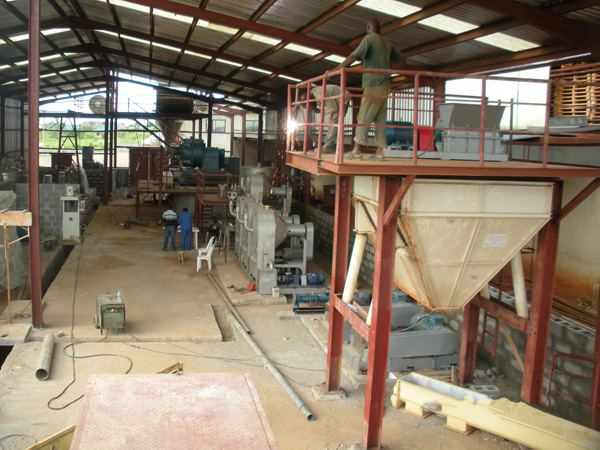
<point x="2" y="447"/>
<point x="72" y="344"/>
<point x="201" y="355"/>
<point x="102" y="235"/>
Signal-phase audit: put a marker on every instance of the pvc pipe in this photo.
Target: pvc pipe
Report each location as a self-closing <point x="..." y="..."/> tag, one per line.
<point x="485" y="291"/>
<point x="288" y="389"/>
<point x="43" y="366"/>
<point x="354" y="268"/>
<point x="516" y="266"/>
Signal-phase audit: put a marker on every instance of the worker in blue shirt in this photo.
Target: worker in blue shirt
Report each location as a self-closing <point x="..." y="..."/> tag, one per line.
<point x="185" y="222"/>
<point x="169" y="218"/>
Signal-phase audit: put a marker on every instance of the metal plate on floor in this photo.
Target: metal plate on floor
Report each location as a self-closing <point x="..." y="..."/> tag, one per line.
<point x="208" y="411"/>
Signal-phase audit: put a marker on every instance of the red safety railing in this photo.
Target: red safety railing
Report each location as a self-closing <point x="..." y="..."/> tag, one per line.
<point x="413" y="90"/>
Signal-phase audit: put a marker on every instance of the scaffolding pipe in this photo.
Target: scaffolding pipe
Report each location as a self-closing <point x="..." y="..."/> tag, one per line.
<point x="518" y="277"/>
<point x="288" y="389"/>
<point x="43" y="366"/>
<point x="354" y="268"/>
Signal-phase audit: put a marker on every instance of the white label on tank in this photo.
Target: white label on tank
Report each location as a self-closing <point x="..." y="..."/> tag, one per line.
<point x="495" y="240"/>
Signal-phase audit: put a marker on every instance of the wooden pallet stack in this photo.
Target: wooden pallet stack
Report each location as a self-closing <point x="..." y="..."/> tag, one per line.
<point x="574" y="93"/>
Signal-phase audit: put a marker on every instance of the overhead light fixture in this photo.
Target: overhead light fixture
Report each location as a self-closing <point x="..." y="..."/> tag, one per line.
<point x="261" y="38"/>
<point x="256" y="69"/>
<point x="389" y="7"/>
<point x="290" y="78"/>
<point x="198" y="55"/>
<point x="231" y="63"/>
<point x="302" y="49"/>
<point x="506" y="42"/>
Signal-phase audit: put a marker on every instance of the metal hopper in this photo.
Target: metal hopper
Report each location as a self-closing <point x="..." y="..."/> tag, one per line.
<point x="454" y="236"/>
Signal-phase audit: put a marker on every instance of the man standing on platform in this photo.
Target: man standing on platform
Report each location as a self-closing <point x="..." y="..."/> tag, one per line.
<point x="169" y="218"/>
<point x="375" y="51"/>
<point x="185" y="222"/>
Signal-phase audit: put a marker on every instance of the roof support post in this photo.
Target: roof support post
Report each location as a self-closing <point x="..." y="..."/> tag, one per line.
<point x="468" y="346"/>
<point x="22" y="130"/>
<point x="541" y="304"/>
<point x="209" y="128"/>
<point x="243" y="150"/>
<point x="379" y="339"/>
<point x="34" y="160"/>
<point x="3" y="126"/>
<point x="105" y="169"/>
<point x="341" y="236"/>
<point x="260" y="155"/>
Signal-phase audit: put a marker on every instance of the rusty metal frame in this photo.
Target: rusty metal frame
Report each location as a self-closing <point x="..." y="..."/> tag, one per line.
<point x="341" y="236"/>
<point x="34" y="162"/>
<point x="541" y="304"/>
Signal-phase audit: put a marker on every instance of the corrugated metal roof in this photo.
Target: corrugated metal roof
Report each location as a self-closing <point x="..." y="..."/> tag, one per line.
<point x="426" y="47"/>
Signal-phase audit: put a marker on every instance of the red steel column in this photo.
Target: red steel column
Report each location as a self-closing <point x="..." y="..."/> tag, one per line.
<point x="34" y="161"/>
<point x="468" y="345"/>
<point x="594" y="419"/>
<point x="541" y="304"/>
<point x="379" y="339"/>
<point x="341" y="235"/>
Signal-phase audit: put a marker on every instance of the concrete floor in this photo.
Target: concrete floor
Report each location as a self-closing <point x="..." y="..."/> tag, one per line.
<point x="173" y="314"/>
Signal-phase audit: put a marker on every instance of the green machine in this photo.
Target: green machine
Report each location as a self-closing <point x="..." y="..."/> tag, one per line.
<point x="110" y="311"/>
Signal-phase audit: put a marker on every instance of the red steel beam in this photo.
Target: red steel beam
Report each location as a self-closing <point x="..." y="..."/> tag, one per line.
<point x="468" y="345"/>
<point x="379" y="340"/>
<point x="230" y="21"/>
<point x="541" y="304"/>
<point x="353" y="319"/>
<point x="34" y="162"/>
<point x="585" y="193"/>
<point x="502" y="313"/>
<point x="392" y="212"/>
<point x="341" y="236"/>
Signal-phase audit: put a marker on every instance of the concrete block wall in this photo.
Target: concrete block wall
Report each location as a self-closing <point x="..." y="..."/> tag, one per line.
<point x="323" y="223"/>
<point x="50" y="208"/>
<point x="95" y="177"/>
<point x="564" y="337"/>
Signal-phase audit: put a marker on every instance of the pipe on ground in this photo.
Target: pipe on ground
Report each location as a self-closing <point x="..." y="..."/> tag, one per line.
<point x="518" y="277"/>
<point x="354" y="268"/>
<point x="43" y="366"/>
<point x="288" y="389"/>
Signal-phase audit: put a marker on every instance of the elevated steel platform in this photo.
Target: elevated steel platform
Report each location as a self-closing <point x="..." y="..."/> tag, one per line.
<point x="328" y="164"/>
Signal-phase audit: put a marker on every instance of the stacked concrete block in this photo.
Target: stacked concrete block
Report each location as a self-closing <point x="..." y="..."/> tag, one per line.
<point x="50" y="207"/>
<point x="565" y="337"/>
<point x="324" y="223"/>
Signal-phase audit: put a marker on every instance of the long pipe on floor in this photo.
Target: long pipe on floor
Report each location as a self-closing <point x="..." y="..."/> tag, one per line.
<point x="354" y="267"/>
<point x="518" y="277"/>
<point x="43" y="366"/>
<point x="288" y="389"/>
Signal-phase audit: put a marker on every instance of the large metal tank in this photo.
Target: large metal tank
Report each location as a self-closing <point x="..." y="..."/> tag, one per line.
<point x="454" y="236"/>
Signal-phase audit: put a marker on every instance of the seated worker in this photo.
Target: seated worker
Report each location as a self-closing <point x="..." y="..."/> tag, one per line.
<point x="332" y="109"/>
<point x="214" y="229"/>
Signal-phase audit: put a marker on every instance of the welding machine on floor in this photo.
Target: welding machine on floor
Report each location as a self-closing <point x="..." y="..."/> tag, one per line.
<point x="110" y="312"/>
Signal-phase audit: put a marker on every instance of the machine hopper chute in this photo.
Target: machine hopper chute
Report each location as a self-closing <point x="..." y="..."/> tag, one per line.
<point x="454" y="236"/>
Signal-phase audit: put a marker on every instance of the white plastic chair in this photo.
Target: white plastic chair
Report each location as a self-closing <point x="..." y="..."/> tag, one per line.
<point x="205" y="254"/>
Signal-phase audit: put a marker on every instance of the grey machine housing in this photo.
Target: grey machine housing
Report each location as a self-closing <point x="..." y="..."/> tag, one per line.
<point x="268" y="240"/>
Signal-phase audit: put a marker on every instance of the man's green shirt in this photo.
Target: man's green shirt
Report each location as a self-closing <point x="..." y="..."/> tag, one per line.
<point x="375" y="51"/>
